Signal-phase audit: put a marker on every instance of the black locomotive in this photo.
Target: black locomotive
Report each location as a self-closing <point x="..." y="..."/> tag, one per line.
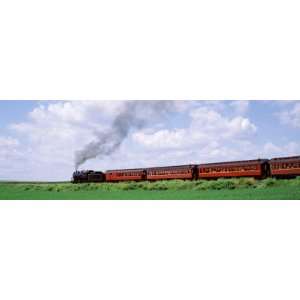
<point x="88" y="176"/>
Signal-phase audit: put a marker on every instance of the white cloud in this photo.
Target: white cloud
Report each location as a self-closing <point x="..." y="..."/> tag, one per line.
<point x="53" y="132"/>
<point x="240" y="107"/>
<point x="162" y="138"/>
<point x="291" y="116"/>
<point x="8" y="142"/>
<point x="11" y="157"/>
<point x="272" y="150"/>
<point x="207" y="127"/>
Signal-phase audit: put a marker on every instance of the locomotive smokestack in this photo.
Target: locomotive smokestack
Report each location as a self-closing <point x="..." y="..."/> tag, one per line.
<point x="133" y="116"/>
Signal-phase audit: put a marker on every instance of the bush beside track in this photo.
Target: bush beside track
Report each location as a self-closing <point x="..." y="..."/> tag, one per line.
<point x="237" y="188"/>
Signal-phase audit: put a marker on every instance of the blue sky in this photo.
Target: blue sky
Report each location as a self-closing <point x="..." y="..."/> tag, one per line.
<point x="39" y="139"/>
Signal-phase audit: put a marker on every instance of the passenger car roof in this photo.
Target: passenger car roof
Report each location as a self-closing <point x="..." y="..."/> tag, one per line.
<point x="235" y="163"/>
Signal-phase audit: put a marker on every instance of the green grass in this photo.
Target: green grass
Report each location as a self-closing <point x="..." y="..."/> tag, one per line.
<point x="243" y="188"/>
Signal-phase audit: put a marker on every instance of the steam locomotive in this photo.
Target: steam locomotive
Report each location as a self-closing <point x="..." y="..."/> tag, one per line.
<point x="280" y="167"/>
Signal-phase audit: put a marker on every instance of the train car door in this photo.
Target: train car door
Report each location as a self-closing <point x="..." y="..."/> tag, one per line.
<point x="144" y="175"/>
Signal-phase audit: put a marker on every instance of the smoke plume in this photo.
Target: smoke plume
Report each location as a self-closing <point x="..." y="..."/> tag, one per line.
<point x="134" y="115"/>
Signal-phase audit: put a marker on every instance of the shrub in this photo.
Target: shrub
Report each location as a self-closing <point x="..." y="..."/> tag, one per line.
<point x="245" y="182"/>
<point x="222" y="184"/>
<point x="202" y="185"/>
<point x="159" y="185"/>
<point x="269" y="182"/>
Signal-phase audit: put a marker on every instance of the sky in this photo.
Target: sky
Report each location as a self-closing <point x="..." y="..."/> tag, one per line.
<point x="40" y="140"/>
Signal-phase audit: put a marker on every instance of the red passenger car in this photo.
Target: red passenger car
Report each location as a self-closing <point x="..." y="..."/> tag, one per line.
<point x="248" y="168"/>
<point x="285" y="166"/>
<point x="175" y="172"/>
<point x="125" y="175"/>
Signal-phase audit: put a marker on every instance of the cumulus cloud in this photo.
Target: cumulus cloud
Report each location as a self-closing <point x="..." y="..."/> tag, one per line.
<point x="11" y="157"/>
<point x="207" y="126"/>
<point x="291" y="116"/>
<point x="9" y="148"/>
<point x="289" y="149"/>
<point x="240" y="107"/>
<point x="53" y="132"/>
<point x="7" y="143"/>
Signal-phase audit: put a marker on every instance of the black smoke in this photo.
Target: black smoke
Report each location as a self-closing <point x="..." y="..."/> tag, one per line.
<point x="133" y="115"/>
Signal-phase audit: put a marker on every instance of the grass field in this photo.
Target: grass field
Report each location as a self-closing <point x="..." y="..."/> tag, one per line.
<point x="244" y="188"/>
